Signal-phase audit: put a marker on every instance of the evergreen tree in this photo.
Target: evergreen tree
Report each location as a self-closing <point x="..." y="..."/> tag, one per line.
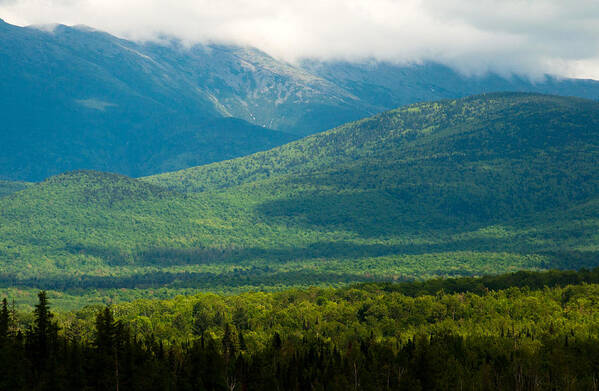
<point x="202" y="320"/>
<point x="106" y="343"/>
<point x="4" y="320"/>
<point x="44" y="330"/>
<point x="229" y="341"/>
<point x="42" y="346"/>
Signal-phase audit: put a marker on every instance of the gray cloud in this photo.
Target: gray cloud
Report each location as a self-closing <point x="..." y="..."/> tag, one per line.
<point x="530" y="37"/>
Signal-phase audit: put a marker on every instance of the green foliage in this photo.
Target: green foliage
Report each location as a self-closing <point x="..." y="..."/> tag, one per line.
<point x="536" y="332"/>
<point x="482" y="185"/>
<point x="524" y="302"/>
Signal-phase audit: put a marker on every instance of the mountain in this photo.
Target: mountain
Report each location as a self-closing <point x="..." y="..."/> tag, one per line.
<point x="385" y="85"/>
<point x="507" y="171"/>
<point x="485" y="184"/>
<point x="247" y="83"/>
<point x="77" y="98"/>
<point x="427" y="140"/>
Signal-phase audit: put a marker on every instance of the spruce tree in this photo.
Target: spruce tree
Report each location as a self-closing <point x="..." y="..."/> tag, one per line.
<point x="4" y="320"/>
<point x="42" y="346"/>
<point x="106" y="344"/>
<point x="44" y="329"/>
<point x="105" y="331"/>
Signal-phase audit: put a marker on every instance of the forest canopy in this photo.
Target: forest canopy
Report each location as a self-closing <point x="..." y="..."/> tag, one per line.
<point x="538" y="331"/>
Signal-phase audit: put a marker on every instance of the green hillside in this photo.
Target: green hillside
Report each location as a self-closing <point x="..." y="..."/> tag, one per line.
<point x="480" y="185"/>
<point x="452" y="166"/>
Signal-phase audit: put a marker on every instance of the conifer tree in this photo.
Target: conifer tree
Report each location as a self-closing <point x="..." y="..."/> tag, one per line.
<point x="229" y="341"/>
<point x="4" y="320"/>
<point x="106" y="342"/>
<point x="44" y="329"/>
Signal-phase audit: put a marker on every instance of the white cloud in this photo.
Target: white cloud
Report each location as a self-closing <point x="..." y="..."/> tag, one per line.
<point x="522" y="36"/>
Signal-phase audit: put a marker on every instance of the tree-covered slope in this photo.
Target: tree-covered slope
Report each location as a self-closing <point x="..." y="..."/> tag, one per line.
<point x="451" y="166"/>
<point x="481" y="157"/>
<point x="485" y="184"/>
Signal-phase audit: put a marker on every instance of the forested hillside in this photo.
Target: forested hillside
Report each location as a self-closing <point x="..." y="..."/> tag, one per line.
<point x="529" y="331"/>
<point x="452" y="165"/>
<point x="474" y="186"/>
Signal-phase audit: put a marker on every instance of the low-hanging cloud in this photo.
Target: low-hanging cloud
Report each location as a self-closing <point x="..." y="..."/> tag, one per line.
<point x="530" y="37"/>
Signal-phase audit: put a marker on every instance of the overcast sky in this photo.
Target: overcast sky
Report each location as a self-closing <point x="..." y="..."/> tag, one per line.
<point x="521" y="36"/>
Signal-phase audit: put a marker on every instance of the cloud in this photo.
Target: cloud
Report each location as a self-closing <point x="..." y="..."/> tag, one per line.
<point x="530" y="37"/>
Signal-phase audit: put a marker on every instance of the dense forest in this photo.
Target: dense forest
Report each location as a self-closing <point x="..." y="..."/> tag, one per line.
<point x="482" y="185"/>
<point x="521" y="331"/>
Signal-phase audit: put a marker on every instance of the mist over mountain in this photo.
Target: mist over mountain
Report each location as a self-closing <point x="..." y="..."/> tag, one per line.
<point x="78" y="98"/>
<point x="533" y="37"/>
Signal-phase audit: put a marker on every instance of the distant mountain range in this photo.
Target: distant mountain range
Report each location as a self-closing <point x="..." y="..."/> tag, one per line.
<point x="485" y="184"/>
<point x="77" y="98"/>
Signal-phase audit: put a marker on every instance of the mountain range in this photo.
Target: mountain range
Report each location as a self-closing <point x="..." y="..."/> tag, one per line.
<point x="77" y="98"/>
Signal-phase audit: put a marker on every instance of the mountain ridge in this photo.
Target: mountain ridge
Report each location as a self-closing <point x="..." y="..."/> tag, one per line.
<point x="102" y="104"/>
